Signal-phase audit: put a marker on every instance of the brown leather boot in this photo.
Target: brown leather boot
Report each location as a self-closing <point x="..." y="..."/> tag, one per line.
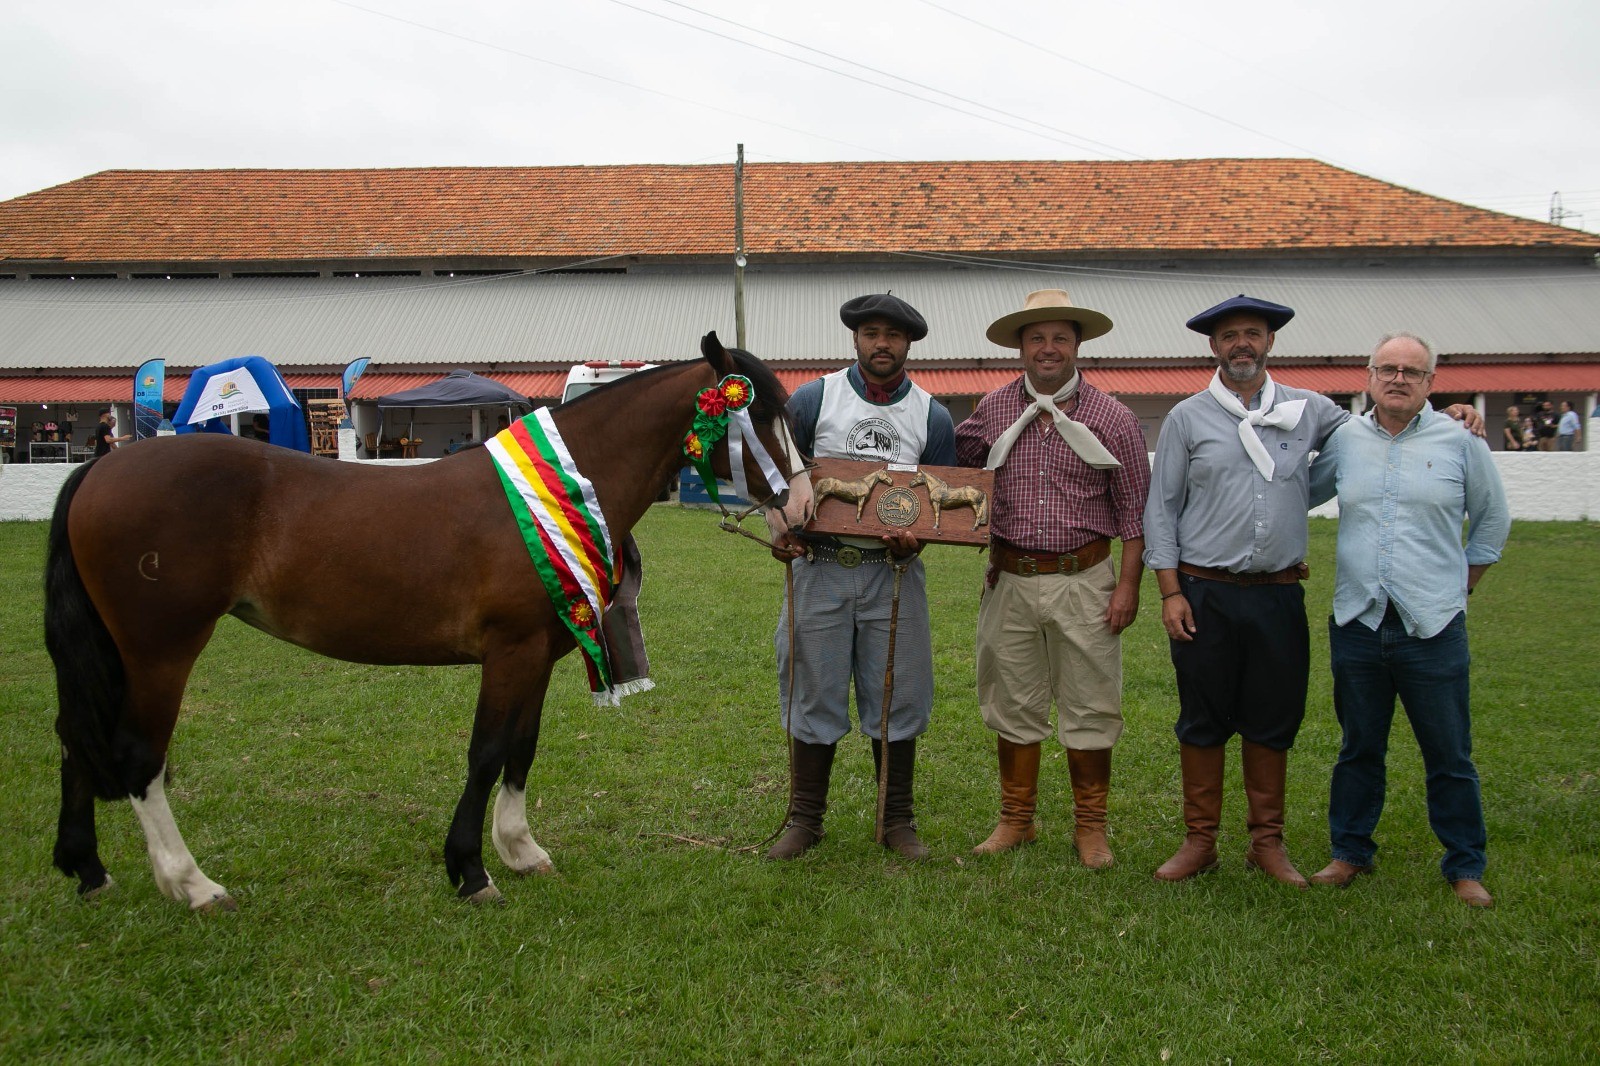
<point x="1019" y="796"/>
<point x="813" y="766"/>
<point x="899" y="823"/>
<point x="1202" y="811"/>
<point x="1091" y="783"/>
<point x="1265" y="775"/>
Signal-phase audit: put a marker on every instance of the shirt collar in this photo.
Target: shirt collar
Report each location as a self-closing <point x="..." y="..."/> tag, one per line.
<point x="1418" y="421"/>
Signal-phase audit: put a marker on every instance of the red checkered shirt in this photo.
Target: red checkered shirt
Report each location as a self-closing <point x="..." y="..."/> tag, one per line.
<point x="1046" y="499"/>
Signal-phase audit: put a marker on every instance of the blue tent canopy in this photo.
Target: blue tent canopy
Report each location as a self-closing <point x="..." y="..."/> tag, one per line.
<point x="265" y="391"/>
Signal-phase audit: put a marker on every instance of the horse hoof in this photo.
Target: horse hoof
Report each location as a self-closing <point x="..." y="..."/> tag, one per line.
<point x="542" y="868"/>
<point x="486" y="896"/>
<point x="103" y="887"/>
<point x="223" y="904"/>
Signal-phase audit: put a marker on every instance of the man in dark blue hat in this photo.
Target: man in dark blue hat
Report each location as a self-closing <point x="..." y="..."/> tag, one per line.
<point x="844" y="587"/>
<point x="1225" y="532"/>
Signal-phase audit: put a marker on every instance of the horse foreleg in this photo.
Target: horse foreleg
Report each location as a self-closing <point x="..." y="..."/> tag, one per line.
<point x="178" y="876"/>
<point x="508" y="679"/>
<point x="512" y="837"/>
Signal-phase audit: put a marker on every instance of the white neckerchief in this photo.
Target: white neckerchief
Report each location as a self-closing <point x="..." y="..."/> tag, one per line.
<point x="1285" y="416"/>
<point x="1077" y="435"/>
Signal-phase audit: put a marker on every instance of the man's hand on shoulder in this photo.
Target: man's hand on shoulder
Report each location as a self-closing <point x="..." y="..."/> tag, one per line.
<point x="1468" y="416"/>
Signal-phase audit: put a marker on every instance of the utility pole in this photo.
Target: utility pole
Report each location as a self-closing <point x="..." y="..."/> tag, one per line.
<point x="1558" y="213"/>
<point x="738" y="249"/>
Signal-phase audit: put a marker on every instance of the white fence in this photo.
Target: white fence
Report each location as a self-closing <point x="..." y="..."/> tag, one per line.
<point x="1541" y="487"/>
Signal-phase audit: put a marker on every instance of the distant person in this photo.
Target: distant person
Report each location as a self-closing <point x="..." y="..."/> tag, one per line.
<point x="1407" y="478"/>
<point x="261" y="428"/>
<point x="1544" y="426"/>
<point x="1568" y="430"/>
<point x="1513" y="431"/>
<point x="1530" y="436"/>
<point x="105" y="433"/>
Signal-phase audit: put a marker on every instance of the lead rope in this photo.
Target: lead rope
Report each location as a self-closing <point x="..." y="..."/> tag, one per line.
<point x="900" y="568"/>
<point x="788" y="701"/>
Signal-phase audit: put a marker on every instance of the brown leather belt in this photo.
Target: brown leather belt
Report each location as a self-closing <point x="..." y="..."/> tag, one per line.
<point x="1028" y="564"/>
<point x="1289" y="575"/>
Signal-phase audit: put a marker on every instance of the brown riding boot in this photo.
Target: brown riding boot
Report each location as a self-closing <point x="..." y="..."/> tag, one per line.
<point x="813" y="766"/>
<point x="1019" y="796"/>
<point x="1265" y="774"/>
<point x="899" y="825"/>
<point x="1202" y="812"/>
<point x="1091" y="783"/>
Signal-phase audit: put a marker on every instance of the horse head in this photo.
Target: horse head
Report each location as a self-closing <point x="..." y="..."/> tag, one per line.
<point x="791" y="508"/>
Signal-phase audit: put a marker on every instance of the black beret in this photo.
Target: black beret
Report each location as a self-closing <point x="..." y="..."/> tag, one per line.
<point x="1275" y="314"/>
<point x="882" y="305"/>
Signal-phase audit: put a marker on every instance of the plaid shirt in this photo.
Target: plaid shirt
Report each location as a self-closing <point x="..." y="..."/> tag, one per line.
<point x="1046" y="499"/>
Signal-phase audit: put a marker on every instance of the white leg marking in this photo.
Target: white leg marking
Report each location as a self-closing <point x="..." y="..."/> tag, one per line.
<point x="177" y="875"/>
<point x="512" y="839"/>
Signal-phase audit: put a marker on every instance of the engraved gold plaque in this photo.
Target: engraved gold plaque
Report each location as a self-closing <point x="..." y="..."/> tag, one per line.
<point x="898" y="507"/>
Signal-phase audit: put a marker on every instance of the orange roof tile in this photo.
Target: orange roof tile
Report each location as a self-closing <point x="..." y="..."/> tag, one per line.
<point x="1031" y="207"/>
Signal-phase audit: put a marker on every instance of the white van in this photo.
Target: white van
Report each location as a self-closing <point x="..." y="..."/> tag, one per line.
<point x="597" y="372"/>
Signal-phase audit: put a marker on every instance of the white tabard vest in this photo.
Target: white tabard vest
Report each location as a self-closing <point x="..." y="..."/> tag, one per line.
<point x="849" y="427"/>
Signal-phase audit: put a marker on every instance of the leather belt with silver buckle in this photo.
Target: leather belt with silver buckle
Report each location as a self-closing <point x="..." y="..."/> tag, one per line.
<point x="846" y="555"/>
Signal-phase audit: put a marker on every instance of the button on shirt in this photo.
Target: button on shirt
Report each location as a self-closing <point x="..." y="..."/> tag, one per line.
<point x="1402" y="500"/>
<point x="1209" y="506"/>
<point x="1046" y="498"/>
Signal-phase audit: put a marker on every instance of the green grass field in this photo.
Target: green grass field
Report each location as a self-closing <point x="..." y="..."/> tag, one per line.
<point x="319" y="792"/>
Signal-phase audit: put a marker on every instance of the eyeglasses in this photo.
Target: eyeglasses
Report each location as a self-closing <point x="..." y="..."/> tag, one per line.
<point x="1411" y="375"/>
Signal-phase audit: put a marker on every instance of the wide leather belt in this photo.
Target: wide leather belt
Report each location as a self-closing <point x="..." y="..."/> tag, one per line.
<point x="1289" y="575"/>
<point x="1028" y="564"/>
<point x="846" y="555"/>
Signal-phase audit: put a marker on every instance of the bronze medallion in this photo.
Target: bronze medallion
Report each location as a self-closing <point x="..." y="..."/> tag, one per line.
<point x="898" y="507"/>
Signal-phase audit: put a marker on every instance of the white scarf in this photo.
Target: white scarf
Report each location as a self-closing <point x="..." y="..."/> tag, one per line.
<point x="1079" y="437"/>
<point x="1285" y="416"/>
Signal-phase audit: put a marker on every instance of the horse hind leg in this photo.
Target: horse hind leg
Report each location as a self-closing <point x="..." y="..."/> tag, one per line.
<point x="513" y="839"/>
<point x="77" y="850"/>
<point x="177" y="875"/>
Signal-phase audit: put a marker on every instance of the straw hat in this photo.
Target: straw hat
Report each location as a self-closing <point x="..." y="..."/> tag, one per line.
<point x="1047" y="305"/>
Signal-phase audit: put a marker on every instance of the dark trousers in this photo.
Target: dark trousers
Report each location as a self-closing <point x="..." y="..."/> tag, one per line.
<point x="1246" y="669"/>
<point x="1430" y="676"/>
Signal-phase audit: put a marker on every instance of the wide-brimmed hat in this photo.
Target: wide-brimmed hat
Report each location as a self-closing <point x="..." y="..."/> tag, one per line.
<point x="1275" y="314"/>
<point x="882" y="305"/>
<point x="1047" y="305"/>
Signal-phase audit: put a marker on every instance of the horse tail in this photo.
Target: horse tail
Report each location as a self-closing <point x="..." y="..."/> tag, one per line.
<point x="90" y="684"/>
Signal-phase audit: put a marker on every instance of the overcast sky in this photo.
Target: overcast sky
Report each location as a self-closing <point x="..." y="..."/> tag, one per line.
<point x="1495" y="104"/>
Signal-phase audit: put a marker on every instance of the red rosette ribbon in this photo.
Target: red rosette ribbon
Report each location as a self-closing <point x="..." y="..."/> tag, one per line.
<point x="693" y="448"/>
<point x="582" y="614"/>
<point x="712" y="402"/>
<point x="737" y="392"/>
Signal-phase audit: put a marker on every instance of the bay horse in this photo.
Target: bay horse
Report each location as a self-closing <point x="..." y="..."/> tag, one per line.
<point x="151" y="545"/>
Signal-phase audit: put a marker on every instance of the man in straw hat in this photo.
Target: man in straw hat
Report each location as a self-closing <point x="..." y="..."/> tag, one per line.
<point x="1071" y="474"/>
<point x="1225" y="532"/>
<point x="844" y="591"/>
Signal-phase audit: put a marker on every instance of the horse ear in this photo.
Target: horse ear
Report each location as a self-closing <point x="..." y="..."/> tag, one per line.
<point x="717" y="355"/>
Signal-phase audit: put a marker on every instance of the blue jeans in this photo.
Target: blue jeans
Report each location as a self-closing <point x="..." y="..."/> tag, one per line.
<point x="1430" y="676"/>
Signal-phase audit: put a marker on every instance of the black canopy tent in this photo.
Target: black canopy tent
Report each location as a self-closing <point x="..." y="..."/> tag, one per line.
<point x="459" y="388"/>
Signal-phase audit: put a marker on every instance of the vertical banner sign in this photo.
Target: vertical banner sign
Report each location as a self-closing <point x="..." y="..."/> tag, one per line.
<point x="149" y="382"/>
<point x="347" y="381"/>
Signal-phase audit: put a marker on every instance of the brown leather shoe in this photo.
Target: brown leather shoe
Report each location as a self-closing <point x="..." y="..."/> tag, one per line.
<point x="1202" y="811"/>
<point x="1019" y="797"/>
<point x="1339" y="873"/>
<point x="1265" y="774"/>
<point x="1091" y="784"/>
<point x="808" y="799"/>
<point x="899" y="822"/>
<point x="1472" y="893"/>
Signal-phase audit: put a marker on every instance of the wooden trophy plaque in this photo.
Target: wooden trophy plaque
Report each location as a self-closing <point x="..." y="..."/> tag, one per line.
<point x="936" y="504"/>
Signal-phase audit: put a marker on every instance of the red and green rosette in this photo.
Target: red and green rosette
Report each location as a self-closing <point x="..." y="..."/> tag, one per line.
<point x="712" y="408"/>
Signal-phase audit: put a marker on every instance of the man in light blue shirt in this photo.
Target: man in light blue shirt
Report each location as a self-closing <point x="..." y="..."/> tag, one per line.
<point x="1406" y="477"/>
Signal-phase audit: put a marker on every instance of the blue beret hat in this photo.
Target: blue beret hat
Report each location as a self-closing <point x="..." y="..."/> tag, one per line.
<point x="882" y="305"/>
<point x="1275" y="314"/>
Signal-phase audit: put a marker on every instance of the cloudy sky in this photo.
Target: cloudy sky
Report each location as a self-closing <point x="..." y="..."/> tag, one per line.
<point x="1490" y="103"/>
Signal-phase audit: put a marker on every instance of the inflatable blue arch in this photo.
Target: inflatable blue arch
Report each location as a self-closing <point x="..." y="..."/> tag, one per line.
<point x="287" y="426"/>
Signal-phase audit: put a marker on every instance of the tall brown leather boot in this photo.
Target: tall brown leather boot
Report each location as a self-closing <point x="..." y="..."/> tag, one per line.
<point x="1265" y="775"/>
<point x="1091" y="783"/>
<point x="899" y="823"/>
<point x="1202" y="811"/>
<point x="813" y="766"/>
<point x="1019" y="797"/>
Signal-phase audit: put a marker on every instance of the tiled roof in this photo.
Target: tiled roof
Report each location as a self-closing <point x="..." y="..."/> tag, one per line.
<point x="1159" y="207"/>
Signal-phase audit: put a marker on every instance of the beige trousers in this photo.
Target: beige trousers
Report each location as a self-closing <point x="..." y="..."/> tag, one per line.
<point x="1044" y="639"/>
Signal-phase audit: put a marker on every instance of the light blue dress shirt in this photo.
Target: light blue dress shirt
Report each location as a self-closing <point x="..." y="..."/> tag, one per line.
<point x="1402" y="500"/>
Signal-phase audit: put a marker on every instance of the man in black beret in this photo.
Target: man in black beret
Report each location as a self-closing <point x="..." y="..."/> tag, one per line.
<point x="844" y="587"/>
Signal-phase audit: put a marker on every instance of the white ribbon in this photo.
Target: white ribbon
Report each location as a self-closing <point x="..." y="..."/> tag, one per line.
<point x="1284" y="416"/>
<point x="1079" y="437"/>
<point x="740" y="427"/>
